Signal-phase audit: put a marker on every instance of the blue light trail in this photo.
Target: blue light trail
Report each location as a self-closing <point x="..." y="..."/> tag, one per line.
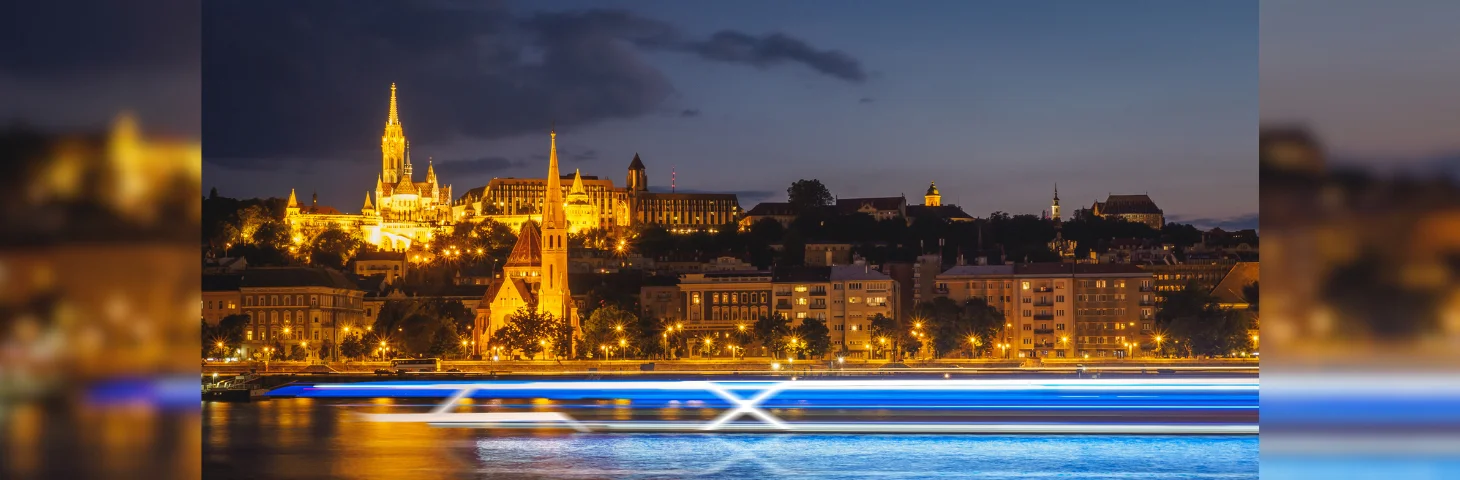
<point x="1088" y="406"/>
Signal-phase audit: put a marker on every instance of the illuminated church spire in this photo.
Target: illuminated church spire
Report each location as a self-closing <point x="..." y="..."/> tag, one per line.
<point x="392" y="144"/>
<point x="394" y="116"/>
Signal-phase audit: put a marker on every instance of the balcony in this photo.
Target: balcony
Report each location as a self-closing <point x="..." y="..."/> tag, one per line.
<point x="1147" y="288"/>
<point x="818" y="293"/>
<point x="1044" y="303"/>
<point x="940" y="291"/>
<point x="1044" y="331"/>
<point x="784" y="293"/>
<point x="818" y="306"/>
<point x="1044" y="316"/>
<point x="1043" y="289"/>
<point x="1147" y="303"/>
<point x="783" y="305"/>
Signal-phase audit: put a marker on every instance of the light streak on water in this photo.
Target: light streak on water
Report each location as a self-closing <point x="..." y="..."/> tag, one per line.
<point x="859" y="405"/>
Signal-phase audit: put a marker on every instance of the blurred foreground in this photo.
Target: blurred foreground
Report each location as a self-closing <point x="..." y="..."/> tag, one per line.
<point x="98" y="286"/>
<point x="1361" y="318"/>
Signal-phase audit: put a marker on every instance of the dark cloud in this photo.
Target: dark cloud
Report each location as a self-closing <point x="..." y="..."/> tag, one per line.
<point x="313" y="79"/>
<point x="767" y="50"/>
<point x="865" y="100"/>
<point x="477" y="166"/>
<point x="565" y="155"/>
<point x="48" y="39"/>
<point x="689" y="112"/>
<point x="1239" y="222"/>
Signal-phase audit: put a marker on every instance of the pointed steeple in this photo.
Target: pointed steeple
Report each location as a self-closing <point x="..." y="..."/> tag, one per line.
<point x="368" y="206"/>
<point x="293" y="202"/>
<point x="430" y="172"/>
<point x="577" y="188"/>
<point x="394" y="116"/>
<point x="553" y="200"/>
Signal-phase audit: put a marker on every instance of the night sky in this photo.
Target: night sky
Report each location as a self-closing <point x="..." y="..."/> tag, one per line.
<point x="997" y="101"/>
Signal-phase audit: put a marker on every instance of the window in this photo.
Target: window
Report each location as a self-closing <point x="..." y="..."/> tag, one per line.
<point x="368" y="312"/>
<point x="800" y="315"/>
<point x="801" y="301"/>
<point x="1028" y="299"/>
<point x="1059" y="298"/>
<point x="695" y="298"/>
<point x="1028" y="313"/>
<point x="1028" y="327"/>
<point x="1024" y="285"/>
<point x="1028" y="341"/>
<point x="1146" y="326"/>
<point x="1059" y="313"/>
<point x="1100" y="284"/>
<point x="1059" y="326"/>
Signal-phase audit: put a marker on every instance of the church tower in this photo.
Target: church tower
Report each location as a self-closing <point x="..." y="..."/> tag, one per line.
<point x="932" y="198"/>
<point x="1054" y="209"/>
<point x="638" y="180"/>
<point x="554" y="297"/>
<point x="392" y="145"/>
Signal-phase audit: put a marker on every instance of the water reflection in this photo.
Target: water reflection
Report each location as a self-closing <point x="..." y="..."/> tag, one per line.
<point x="300" y="438"/>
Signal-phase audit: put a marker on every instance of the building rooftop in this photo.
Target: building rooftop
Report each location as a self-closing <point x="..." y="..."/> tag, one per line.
<point x="856" y="272"/>
<point x="847" y="206"/>
<point x="221" y="283"/>
<point x="528" y="250"/>
<point x="771" y="208"/>
<point x="380" y="255"/>
<point x="298" y="277"/>
<point x="946" y="212"/>
<point x="1123" y="204"/>
<point x="1078" y="269"/>
<point x="977" y="270"/>
<point x="1229" y="290"/>
<point x="802" y="274"/>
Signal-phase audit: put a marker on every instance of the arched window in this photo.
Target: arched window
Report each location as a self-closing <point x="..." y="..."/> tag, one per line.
<point x="299" y="316"/>
<point x="286" y="316"/>
<point x="288" y="300"/>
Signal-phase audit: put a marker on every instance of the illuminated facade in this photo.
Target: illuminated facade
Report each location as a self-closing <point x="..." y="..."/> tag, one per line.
<point x="515" y="200"/>
<point x="536" y="272"/>
<point x="402" y="212"/>
<point x="1062" y="310"/>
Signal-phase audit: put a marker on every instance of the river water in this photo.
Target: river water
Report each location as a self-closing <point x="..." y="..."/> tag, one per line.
<point x="302" y="438"/>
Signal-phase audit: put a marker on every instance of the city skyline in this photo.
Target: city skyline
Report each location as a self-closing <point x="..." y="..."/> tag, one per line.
<point x="723" y="100"/>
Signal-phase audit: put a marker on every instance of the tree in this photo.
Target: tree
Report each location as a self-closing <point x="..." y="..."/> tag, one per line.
<point x="334" y="247"/>
<point x="772" y="331"/>
<point x="528" y="330"/>
<point x="354" y="346"/>
<point x="883" y="331"/>
<point x="298" y="352"/>
<point x="984" y="322"/>
<point x="815" y="338"/>
<point x="1197" y="325"/>
<point x="609" y="323"/>
<point x="807" y="195"/>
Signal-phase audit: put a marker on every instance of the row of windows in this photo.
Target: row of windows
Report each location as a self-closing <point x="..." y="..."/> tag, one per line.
<point x="1045" y="298"/>
<point x="1044" y="311"/>
<point x="291" y="300"/>
<point x="219" y="305"/>
<point x="1044" y="326"/>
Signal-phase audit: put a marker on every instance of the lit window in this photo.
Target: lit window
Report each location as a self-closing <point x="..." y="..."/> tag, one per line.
<point x="1024" y="285"/>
